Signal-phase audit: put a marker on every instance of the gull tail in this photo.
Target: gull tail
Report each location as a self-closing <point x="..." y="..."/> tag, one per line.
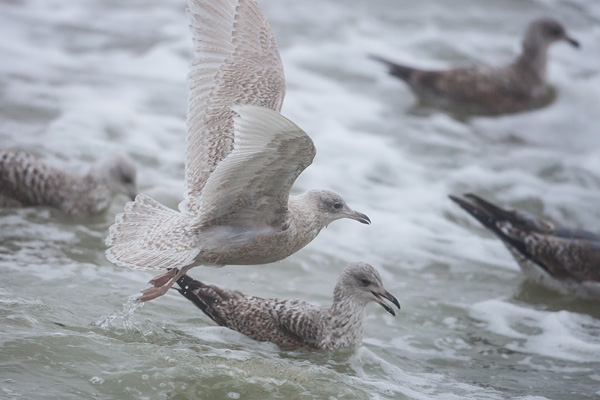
<point x="400" y="71"/>
<point x="206" y="297"/>
<point x="509" y="225"/>
<point x="150" y="236"/>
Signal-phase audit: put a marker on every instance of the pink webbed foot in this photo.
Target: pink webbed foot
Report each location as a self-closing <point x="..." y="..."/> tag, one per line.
<point x="162" y="279"/>
<point x="152" y="293"/>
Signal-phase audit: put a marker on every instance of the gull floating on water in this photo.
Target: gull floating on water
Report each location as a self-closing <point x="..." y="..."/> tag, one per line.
<point x="242" y="159"/>
<point x="26" y="181"/>
<point x="295" y="324"/>
<point x="518" y="86"/>
<point x="562" y="259"/>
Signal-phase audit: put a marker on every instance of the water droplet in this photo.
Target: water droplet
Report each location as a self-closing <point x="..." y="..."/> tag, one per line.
<point x="145" y="377"/>
<point x="233" y="395"/>
<point x="96" y="380"/>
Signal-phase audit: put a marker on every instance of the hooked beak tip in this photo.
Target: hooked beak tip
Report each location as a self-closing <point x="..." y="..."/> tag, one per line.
<point x="362" y="218"/>
<point x="379" y="298"/>
<point x="572" y="42"/>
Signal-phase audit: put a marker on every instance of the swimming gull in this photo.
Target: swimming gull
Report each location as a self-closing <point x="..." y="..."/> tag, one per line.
<point x="519" y="86"/>
<point x="562" y="259"/>
<point x="295" y="324"/>
<point x="242" y="159"/>
<point x="26" y="181"/>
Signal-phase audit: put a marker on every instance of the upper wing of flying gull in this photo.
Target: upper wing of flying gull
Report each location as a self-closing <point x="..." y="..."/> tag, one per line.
<point x="236" y="62"/>
<point x="250" y="188"/>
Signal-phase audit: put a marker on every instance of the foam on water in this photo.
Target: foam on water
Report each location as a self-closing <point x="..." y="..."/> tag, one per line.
<point x="562" y="334"/>
<point x="82" y="79"/>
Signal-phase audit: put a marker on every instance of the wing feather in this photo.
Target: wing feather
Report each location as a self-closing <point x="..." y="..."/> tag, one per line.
<point x="252" y="185"/>
<point x="236" y="62"/>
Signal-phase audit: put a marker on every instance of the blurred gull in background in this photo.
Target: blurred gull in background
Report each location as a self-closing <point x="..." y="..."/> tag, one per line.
<point x="518" y="86"/>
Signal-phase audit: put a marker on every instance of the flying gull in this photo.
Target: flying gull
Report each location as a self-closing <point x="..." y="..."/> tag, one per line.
<point x="562" y="259"/>
<point x="26" y="181"/>
<point x="295" y="324"/>
<point x="242" y="159"/>
<point x="518" y="86"/>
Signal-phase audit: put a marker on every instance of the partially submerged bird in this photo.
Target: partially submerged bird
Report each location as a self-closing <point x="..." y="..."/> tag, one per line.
<point x="518" y="86"/>
<point x="295" y="324"/>
<point x="242" y="159"/>
<point x="26" y="181"/>
<point x="562" y="259"/>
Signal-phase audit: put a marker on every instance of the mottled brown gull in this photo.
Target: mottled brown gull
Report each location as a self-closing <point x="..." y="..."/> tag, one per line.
<point x="518" y="86"/>
<point x="26" y="181"/>
<point x="242" y="159"/>
<point x="295" y="324"/>
<point x="562" y="259"/>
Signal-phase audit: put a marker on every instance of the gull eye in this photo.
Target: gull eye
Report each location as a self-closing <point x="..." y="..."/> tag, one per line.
<point x="337" y="205"/>
<point x="365" y="282"/>
<point x="556" y="31"/>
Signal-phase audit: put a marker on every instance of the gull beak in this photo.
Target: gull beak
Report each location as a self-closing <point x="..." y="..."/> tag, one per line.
<point x="131" y="193"/>
<point x="360" y="217"/>
<point x="572" y="41"/>
<point x="379" y="298"/>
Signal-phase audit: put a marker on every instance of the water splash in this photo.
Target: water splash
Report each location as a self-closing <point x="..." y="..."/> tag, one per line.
<point x="122" y="319"/>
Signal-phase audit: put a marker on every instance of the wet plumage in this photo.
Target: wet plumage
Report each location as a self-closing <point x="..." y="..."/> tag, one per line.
<point x="518" y="86"/>
<point x="295" y="324"/>
<point x="563" y="259"/>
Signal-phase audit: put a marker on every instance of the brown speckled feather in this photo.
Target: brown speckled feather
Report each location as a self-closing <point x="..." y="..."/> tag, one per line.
<point x="560" y="258"/>
<point x="26" y="181"/>
<point x="518" y="86"/>
<point x="294" y="324"/>
<point x="236" y="62"/>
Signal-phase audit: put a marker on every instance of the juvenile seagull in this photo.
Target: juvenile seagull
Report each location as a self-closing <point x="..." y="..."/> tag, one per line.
<point x="517" y="86"/>
<point x="25" y="181"/>
<point x="295" y="324"/>
<point x="242" y="159"/>
<point x="562" y="259"/>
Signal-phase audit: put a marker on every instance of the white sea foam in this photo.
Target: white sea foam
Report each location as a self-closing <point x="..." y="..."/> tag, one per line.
<point x="80" y="79"/>
<point x="562" y="334"/>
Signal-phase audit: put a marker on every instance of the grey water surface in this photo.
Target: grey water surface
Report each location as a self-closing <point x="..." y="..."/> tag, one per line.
<point x="80" y="79"/>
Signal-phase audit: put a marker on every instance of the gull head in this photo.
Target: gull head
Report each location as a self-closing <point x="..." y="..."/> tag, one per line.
<point x="119" y="173"/>
<point x="330" y="207"/>
<point x="362" y="283"/>
<point x="545" y="31"/>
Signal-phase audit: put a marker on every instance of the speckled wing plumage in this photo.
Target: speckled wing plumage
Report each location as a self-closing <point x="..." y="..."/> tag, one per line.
<point x="250" y="188"/>
<point x="565" y="254"/>
<point x="236" y="62"/>
<point x="150" y="236"/>
<point x="478" y="87"/>
<point x="25" y="181"/>
<point x="290" y="324"/>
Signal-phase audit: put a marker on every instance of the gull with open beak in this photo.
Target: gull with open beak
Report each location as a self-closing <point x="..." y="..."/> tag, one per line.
<point x="295" y="324"/>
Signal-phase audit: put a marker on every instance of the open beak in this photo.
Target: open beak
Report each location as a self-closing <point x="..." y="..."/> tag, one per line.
<point x="360" y="217"/>
<point x="379" y="298"/>
<point x="572" y="41"/>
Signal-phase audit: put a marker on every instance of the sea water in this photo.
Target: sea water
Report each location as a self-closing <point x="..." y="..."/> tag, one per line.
<point x="81" y="79"/>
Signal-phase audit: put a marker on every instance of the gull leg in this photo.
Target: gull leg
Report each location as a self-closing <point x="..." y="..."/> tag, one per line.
<point x="161" y="279"/>
<point x="154" y="292"/>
